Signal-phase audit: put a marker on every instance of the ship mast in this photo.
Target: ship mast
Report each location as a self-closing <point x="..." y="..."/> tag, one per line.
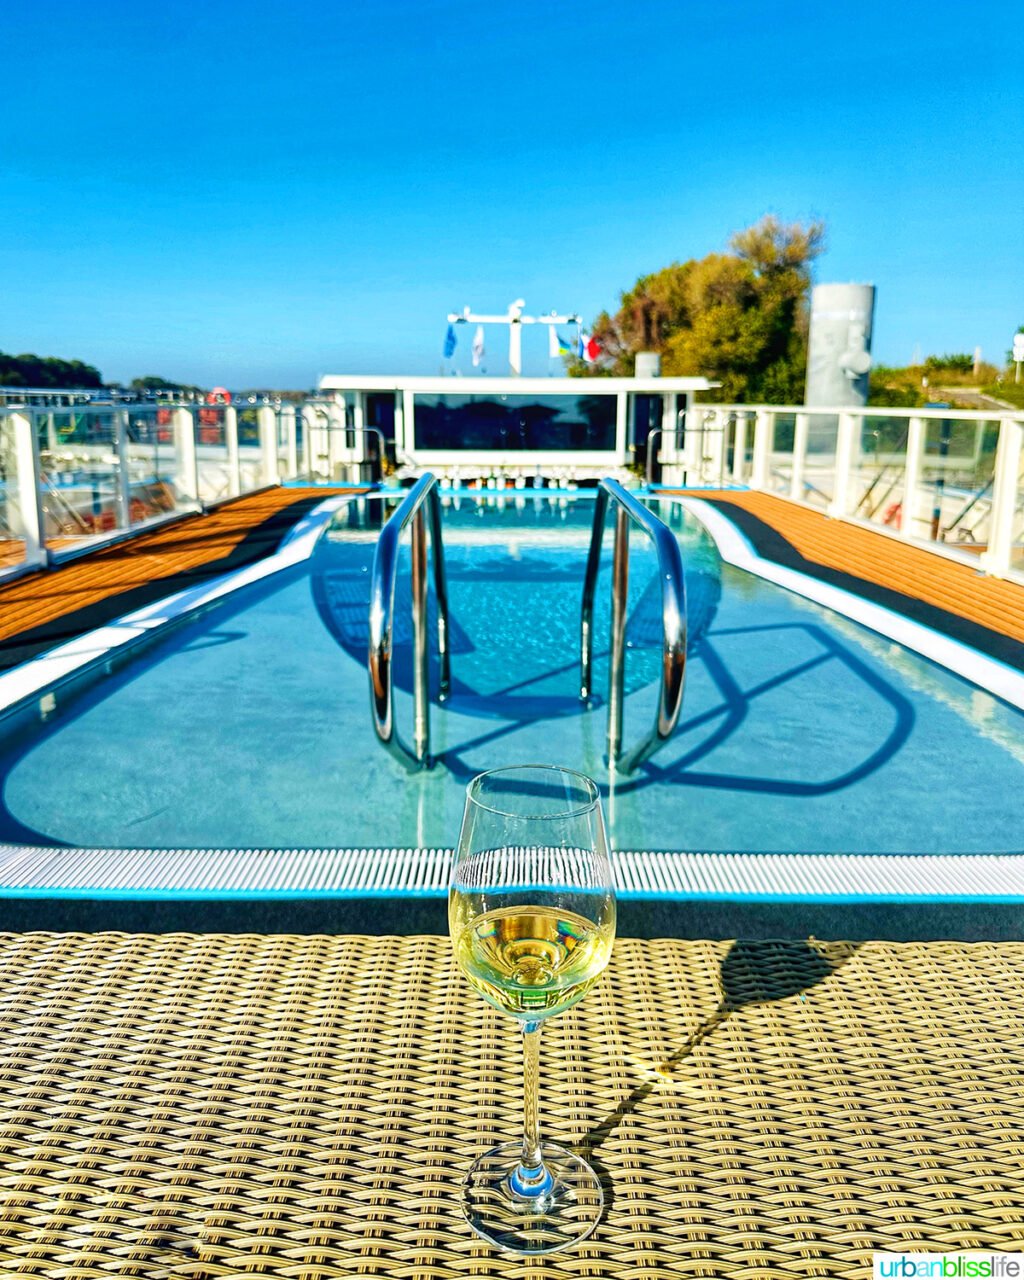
<point x="515" y="319"/>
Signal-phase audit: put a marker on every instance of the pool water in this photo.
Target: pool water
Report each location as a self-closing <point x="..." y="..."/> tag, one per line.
<point x="250" y="726"/>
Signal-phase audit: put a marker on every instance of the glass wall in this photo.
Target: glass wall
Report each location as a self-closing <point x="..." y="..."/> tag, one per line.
<point x="957" y="471"/>
<point x="78" y="474"/>
<point x="250" y="464"/>
<point x="878" y="470"/>
<point x="780" y="469"/>
<point x="510" y="423"/>
<point x="157" y="480"/>
<point x="819" y="472"/>
<point x="213" y="462"/>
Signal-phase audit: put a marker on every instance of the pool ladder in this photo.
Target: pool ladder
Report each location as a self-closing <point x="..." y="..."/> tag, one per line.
<point x="673" y="621"/>
<point x="421" y="506"/>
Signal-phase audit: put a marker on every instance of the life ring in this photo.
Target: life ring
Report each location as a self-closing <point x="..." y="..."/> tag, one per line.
<point x="893" y="514"/>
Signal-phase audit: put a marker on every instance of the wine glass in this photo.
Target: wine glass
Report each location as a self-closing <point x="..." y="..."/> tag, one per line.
<point x="531" y="910"/>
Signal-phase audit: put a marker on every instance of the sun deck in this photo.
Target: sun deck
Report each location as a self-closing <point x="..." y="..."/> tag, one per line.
<point x="45" y="608"/>
<point x="48" y="607"/>
<point x="946" y="594"/>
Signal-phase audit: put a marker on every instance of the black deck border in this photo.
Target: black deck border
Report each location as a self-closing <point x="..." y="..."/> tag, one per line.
<point x="770" y="544"/>
<point x="256" y="543"/>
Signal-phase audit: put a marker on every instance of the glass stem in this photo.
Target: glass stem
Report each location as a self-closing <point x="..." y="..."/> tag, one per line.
<point x="531" y="1178"/>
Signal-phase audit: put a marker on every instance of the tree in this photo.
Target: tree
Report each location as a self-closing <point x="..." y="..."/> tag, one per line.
<point x="47" y="371"/>
<point x="153" y="382"/>
<point x="739" y="318"/>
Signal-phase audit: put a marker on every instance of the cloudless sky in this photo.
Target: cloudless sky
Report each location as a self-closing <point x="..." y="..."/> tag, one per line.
<point x="256" y="194"/>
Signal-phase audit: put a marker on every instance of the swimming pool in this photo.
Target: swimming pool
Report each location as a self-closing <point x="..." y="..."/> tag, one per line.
<point x="249" y="726"/>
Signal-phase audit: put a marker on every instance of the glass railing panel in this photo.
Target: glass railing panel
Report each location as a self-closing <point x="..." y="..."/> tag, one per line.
<point x="878" y="471"/>
<point x="956" y="480"/>
<point x="819" y="470"/>
<point x="1017" y="527"/>
<point x="78" y="476"/>
<point x="780" y="468"/>
<point x="160" y="482"/>
<point x="213" y="469"/>
<point x="12" y="529"/>
<point x="250" y="463"/>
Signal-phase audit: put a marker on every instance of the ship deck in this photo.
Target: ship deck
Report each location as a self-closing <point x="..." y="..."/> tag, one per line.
<point x="48" y="607"/>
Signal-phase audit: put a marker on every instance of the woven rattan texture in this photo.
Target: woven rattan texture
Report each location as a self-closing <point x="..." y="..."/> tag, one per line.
<point x="202" y="1106"/>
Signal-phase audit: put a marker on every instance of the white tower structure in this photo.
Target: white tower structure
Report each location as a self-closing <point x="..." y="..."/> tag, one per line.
<point x="838" y="352"/>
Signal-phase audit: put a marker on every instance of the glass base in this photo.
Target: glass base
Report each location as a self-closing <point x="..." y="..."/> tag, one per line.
<point x="562" y="1213"/>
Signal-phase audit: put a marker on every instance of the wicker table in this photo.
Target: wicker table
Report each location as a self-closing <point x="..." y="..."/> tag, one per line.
<point x="194" y="1106"/>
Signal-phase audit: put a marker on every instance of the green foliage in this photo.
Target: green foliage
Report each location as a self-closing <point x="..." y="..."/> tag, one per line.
<point x="896" y="397"/>
<point x="739" y="318"/>
<point x="1008" y="390"/>
<point x="46" y="371"/>
<point x="896" y="388"/>
<point x="151" y="382"/>
<point x="958" y="363"/>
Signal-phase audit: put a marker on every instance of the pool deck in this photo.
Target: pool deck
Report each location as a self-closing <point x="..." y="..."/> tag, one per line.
<point x="956" y="599"/>
<point x="48" y="607"/>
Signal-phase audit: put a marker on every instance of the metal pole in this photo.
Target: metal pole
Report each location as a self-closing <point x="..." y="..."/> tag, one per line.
<point x="266" y="417"/>
<point x="916" y="431"/>
<point x="847" y="445"/>
<point x="440" y="588"/>
<point x="124" y="506"/>
<point x="30" y="486"/>
<point x="739" y="448"/>
<point x="801" y="431"/>
<point x="652" y="455"/>
<point x="998" y="559"/>
<point x="945" y="428"/>
<point x="617" y="658"/>
<point x="421" y="673"/>
<point x="515" y="348"/>
<point x="291" y="464"/>
<point x="589" y="588"/>
<point x="185" y="451"/>
<point x="764" y="430"/>
<point x="231" y="445"/>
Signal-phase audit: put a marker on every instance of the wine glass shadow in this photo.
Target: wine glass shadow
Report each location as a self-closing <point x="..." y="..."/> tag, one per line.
<point x="752" y="973"/>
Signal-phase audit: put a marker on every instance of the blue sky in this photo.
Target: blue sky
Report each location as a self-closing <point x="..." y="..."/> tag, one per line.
<point x="258" y="193"/>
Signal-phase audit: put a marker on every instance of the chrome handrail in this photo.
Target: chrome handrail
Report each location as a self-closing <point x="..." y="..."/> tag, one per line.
<point x="673" y="619"/>
<point x="382" y="616"/>
<point x="652" y="454"/>
<point x="382" y="444"/>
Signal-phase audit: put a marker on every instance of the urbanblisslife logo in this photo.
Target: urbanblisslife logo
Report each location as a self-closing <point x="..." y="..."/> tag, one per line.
<point x="972" y="1265"/>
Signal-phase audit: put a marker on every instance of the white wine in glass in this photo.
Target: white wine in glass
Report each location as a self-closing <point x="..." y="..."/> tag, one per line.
<point x="531" y="912"/>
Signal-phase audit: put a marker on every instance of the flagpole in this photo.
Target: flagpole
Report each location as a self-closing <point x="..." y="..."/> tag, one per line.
<point x="515" y="319"/>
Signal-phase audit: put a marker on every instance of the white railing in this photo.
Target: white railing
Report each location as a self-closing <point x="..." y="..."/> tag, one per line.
<point x="76" y="475"/>
<point x="951" y="478"/>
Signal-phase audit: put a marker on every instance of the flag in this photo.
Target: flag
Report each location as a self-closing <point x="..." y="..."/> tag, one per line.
<point x="478" y="345"/>
<point x="588" y="349"/>
<point x="449" y="343"/>
<point x="564" y="346"/>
